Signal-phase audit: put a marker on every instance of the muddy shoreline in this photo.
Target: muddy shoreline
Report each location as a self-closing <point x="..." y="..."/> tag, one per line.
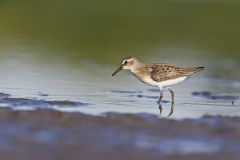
<point x="49" y="134"/>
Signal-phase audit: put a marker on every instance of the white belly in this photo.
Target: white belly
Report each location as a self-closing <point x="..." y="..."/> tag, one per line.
<point x="164" y="83"/>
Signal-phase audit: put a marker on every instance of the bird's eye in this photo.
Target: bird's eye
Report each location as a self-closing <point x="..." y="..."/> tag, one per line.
<point x="125" y="62"/>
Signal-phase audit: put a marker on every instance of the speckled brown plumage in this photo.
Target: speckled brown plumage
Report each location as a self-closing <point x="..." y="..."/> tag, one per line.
<point x="163" y="72"/>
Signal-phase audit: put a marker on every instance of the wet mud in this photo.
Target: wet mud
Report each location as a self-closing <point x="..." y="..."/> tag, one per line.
<point x="139" y="94"/>
<point x="153" y="90"/>
<point x="215" y="96"/>
<point x="7" y="101"/>
<point x="48" y="134"/>
<point x="125" y="92"/>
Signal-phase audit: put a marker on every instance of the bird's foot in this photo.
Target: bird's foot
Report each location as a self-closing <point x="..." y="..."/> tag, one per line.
<point x="172" y="108"/>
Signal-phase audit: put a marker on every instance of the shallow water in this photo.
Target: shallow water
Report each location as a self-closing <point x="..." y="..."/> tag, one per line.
<point x="38" y="76"/>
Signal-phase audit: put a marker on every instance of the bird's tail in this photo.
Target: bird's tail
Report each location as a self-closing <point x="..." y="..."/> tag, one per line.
<point x="189" y="71"/>
<point x="197" y="69"/>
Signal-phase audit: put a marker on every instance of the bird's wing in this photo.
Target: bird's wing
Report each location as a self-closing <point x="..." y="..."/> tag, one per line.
<point x="163" y="72"/>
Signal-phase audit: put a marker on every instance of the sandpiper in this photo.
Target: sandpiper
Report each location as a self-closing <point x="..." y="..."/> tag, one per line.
<point x="158" y="74"/>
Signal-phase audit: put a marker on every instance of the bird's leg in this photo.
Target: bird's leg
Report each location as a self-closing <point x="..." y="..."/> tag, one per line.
<point x="172" y="106"/>
<point x="160" y="98"/>
<point x="160" y="108"/>
<point x="159" y="101"/>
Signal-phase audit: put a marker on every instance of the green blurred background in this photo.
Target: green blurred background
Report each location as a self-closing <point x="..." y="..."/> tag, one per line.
<point x="107" y="30"/>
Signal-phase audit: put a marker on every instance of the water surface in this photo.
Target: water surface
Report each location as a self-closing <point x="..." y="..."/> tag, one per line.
<point x="26" y="74"/>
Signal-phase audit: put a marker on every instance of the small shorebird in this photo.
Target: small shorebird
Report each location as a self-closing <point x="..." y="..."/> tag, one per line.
<point x="159" y="75"/>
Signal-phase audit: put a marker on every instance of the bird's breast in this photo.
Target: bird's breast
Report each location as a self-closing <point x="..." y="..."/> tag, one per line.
<point x="146" y="79"/>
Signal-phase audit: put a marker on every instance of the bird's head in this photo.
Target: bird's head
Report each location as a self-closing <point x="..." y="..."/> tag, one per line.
<point x="128" y="63"/>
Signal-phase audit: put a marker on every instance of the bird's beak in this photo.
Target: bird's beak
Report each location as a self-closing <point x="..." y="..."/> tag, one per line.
<point x="118" y="70"/>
